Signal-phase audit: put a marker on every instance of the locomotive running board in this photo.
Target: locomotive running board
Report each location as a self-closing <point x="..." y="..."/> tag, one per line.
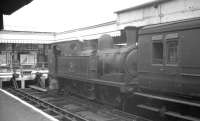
<point x="110" y="83"/>
<point x="38" y="88"/>
<point x="185" y="102"/>
<point x="96" y="81"/>
<point x="169" y="113"/>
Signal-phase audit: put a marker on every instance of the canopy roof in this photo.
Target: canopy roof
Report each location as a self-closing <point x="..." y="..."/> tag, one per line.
<point x="7" y="7"/>
<point x="26" y="41"/>
<point x="154" y="2"/>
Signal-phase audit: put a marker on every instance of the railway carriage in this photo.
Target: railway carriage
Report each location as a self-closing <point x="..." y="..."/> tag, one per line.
<point x="169" y="68"/>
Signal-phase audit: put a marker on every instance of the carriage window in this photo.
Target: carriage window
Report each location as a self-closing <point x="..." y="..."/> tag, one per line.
<point x="157" y="52"/>
<point x="172" y="52"/>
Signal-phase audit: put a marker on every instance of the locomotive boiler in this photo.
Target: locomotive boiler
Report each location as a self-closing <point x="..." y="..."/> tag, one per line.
<point x="157" y="71"/>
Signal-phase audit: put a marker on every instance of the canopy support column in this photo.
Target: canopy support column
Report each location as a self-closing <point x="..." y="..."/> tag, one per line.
<point x="1" y="21"/>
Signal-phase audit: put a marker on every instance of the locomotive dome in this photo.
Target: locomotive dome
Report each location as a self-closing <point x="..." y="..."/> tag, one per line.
<point x="105" y="42"/>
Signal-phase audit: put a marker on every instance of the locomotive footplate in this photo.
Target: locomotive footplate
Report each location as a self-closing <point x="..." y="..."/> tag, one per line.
<point x="122" y="85"/>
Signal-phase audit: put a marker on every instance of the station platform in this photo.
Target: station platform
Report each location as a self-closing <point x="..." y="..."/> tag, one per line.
<point x="13" y="108"/>
<point x="5" y="77"/>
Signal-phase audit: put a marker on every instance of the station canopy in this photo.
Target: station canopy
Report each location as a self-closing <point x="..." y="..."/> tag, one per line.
<point x="21" y="41"/>
<point x="26" y="37"/>
<point x="7" y="7"/>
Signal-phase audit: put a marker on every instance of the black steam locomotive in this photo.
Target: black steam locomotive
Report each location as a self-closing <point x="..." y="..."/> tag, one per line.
<point x="157" y="72"/>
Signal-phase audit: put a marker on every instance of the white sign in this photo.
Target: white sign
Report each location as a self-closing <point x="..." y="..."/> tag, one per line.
<point x="28" y="59"/>
<point x="2" y="59"/>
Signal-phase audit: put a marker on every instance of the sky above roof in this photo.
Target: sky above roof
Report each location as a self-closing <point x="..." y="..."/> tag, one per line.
<point x="62" y="15"/>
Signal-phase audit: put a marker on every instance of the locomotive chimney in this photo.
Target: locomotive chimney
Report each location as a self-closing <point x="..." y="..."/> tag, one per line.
<point x="105" y="42"/>
<point x="131" y="35"/>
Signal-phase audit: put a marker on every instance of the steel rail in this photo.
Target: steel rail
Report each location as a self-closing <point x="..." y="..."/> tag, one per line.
<point x="48" y="107"/>
<point x="65" y="115"/>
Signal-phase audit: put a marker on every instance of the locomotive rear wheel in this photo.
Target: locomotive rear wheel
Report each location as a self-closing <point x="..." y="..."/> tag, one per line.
<point x="109" y="95"/>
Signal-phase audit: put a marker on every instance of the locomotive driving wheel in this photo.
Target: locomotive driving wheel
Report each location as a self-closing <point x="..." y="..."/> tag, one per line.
<point x="110" y="96"/>
<point x="88" y="90"/>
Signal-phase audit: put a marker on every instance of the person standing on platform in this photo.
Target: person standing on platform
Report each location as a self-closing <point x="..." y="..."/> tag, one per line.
<point x="13" y="79"/>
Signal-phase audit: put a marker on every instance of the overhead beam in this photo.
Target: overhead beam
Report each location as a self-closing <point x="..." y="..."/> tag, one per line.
<point x="7" y="7"/>
<point x="1" y="21"/>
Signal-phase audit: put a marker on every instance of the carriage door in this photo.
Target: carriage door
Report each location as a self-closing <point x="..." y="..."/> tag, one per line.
<point x="171" y="42"/>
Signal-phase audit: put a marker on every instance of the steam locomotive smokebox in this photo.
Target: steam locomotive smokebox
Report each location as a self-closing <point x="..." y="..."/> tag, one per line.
<point x="105" y="42"/>
<point x="131" y="35"/>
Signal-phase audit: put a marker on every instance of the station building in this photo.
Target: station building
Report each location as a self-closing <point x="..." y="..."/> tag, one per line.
<point x="30" y="49"/>
<point x="158" y="11"/>
<point x="153" y="12"/>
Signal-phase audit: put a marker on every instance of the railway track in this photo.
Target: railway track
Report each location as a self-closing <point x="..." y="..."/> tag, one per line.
<point x="71" y="108"/>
